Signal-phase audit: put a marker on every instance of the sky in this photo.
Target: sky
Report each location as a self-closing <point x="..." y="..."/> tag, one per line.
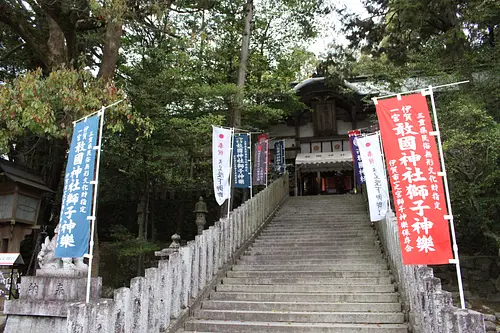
<point x="331" y="24"/>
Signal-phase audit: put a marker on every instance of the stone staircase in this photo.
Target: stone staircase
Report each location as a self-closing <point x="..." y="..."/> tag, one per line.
<point x="315" y="268"/>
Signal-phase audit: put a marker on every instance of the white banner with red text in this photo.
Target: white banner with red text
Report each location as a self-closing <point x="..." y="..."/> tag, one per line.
<point x="376" y="181"/>
<point x="221" y="163"/>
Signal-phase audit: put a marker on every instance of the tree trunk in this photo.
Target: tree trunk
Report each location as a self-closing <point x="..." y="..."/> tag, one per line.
<point x="242" y="70"/>
<point x="237" y="106"/>
<point x="110" y="51"/>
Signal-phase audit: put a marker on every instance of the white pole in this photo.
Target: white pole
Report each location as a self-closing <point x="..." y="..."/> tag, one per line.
<point x="92" y="218"/>
<point x="251" y="166"/>
<point x="230" y="173"/>
<point x="455" y="261"/>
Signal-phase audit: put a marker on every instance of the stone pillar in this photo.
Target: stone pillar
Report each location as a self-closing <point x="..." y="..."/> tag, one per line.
<point x="195" y="267"/>
<point x="152" y="290"/>
<point x="139" y="304"/>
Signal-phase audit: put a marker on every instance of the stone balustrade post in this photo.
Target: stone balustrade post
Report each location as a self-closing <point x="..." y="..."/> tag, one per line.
<point x="195" y="267"/>
<point x="175" y="262"/>
<point x="210" y="252"/>
<point x="186" y="257"/>
<point x="139" y="303"/>
<point x="217" y="245"/>
<point x="203" y="261"/>
<point x="121" y="320"/>
<point x="152" y="290"/>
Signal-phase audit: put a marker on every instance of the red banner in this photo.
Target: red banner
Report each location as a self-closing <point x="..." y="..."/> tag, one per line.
<point x="413" y="163"/>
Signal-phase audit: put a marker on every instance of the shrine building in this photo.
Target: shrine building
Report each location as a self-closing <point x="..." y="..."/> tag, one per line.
<point x="316" y="139"/>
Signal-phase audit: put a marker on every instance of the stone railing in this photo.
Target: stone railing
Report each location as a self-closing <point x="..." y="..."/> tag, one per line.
<point x="160" y="301"/>
<point x="428" y="308"/>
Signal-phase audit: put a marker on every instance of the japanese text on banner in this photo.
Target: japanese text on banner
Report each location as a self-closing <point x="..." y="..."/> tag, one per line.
<point x="356" y="157"/>
<point x="413" y="163"/>
<point x="376" y="181"/>
<point x="74" y="227"/>
<point x="241" y="161"/>
<point x="260" y="163"/>
<point x="279" y="156"/>
<point x="221" y="163"/>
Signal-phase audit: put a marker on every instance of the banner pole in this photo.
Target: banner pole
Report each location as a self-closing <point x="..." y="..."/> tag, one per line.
<point x="419" y="90"/>
<point x="250" y="159"/>
<point x="455" y="261"/>
<point x="92" y="218"/>
<point x="230" y="172"/>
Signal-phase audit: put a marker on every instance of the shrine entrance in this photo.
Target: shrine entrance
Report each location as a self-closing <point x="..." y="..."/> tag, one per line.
<point x="324" y="173"/>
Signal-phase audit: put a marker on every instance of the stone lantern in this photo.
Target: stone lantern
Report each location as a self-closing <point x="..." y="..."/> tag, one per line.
<point x="20" y="197"/>
<point x="201" y="210"/>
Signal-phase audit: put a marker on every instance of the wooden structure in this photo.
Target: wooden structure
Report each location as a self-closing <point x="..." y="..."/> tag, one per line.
<point x="317" y="143"/>
<point x="20" y="197"/>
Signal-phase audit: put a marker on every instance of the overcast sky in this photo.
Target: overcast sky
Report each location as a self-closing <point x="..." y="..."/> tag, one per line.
<point x="331" y="26"/>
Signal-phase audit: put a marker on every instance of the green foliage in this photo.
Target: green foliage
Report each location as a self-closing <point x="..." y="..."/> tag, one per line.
<point x="46" y="106"/>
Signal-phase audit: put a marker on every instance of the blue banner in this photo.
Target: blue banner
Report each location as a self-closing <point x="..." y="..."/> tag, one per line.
<point x="358" y="165"/>
<point x="74" y="226"/>
<point x="241" y="155"/>
<point x="279" y="156"/>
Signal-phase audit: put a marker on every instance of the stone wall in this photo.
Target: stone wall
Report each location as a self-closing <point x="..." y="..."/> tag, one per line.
<point x="163" y="298"/>
<point x="480" y="276"/>
<point x="428" y="308"/>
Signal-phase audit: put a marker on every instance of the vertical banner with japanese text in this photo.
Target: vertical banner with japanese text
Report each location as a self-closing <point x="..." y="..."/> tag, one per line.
<point x="221" y="163"/>
<point x="376" y="181"/>
<point x="241" y="161"/>
<point x="260" y="163"/>
<point x="74" y="226"/>
<point x="279" y="156"/>
<point x="356" y="157"/>
<point x="413" y="163"/>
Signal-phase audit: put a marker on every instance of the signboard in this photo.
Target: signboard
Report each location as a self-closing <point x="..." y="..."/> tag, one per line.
<point x="413" y="163"/>
<point x="279" y="156"/>
<point x="9" y="259"/>
<point x="241" y="162"/>
<point x="376" y="181"/>
<point x="221" y="163"/>
<point x="76" y="209"/>
<point x="356" y="157"/>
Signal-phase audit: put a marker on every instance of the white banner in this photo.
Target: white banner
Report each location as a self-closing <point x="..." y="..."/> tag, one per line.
<point x="376" y="182"/>
<point x="221" y="159"/>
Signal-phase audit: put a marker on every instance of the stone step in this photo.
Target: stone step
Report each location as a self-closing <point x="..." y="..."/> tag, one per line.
<point x="308" y="281"/>
<point x="223" y="326"/>
<point x="301" y="306"/>
<point x="301" y="268"/>
<point x="306" y="288"/>
<point x="324" y="297"/>
<point x="368" y="250"/>
<point x="302" y="317"/>
<point x="313" y="261"/>
<point x="310" y="274"/>
<point x="351" y="243"/>
<point x="318" y="236"/>
<point x="332" y="256"/>
<point x="329" y="233"/>
<point x="315" y="229"/>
